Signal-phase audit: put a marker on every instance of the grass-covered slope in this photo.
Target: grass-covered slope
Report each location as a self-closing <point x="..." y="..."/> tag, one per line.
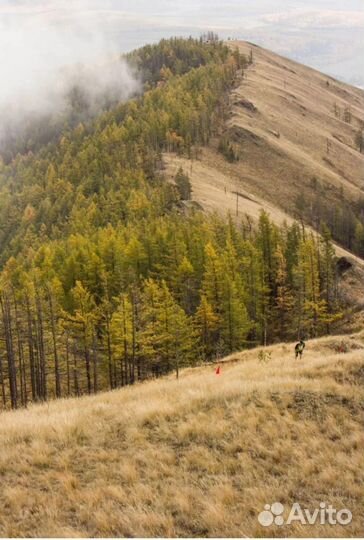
<point x="200" y="456"/>
<point x="299" y="136"/>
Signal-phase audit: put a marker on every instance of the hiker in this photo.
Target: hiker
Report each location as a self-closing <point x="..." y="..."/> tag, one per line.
<point x="299" y="348"/>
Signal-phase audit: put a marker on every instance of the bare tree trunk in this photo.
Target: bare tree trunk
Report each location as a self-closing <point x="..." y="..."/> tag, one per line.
<point x="75" y="374"/>
<point x="135" y="358"/>
<point x="24" y="379"/>
<point x="3" y="390"/>
<point x="128" y="366"/>
<point x="109" y="353"/>
<point x="38" y="380"/>
<point x="95" y="361"/>
<point x="68" y="367"/>
<point x="87" y="360"/>
<point x="6" y="313"/>
<point x="31" y="352"/>
<point x="55" y="352"/>
<point x="123" y="372"/>
<point x="41" y="349"/>
<point x="23" y="384"/>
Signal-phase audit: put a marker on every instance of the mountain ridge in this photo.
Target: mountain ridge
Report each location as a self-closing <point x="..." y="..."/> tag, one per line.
<point x="292" y="149"/>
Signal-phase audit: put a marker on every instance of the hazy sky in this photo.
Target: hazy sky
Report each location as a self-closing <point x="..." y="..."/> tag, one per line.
<point x="37" y="36"/>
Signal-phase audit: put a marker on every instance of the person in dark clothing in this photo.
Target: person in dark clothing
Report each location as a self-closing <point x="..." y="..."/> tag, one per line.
<point x="299" y="348"/>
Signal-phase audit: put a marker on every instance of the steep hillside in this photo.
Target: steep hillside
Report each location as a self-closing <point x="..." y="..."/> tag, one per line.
<point x="290" y="142"/>
<point x="298" y="104"/>
<point x="295" y="133"/>
<point x="200" y="456"/>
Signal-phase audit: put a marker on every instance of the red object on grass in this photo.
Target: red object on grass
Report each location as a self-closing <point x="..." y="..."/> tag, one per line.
<point x="218" y="371"/>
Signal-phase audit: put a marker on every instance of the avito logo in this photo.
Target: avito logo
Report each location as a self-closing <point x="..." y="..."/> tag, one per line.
<point x="325" y="514"/>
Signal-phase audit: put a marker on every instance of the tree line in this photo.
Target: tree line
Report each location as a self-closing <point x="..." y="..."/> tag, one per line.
<point x="84" y="314"/>
<point x="108" y="277"/>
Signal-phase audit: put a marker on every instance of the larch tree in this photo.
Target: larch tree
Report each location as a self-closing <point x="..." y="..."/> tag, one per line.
<point x="206" y="323"/>
<point x="121" y="328"/>
<point x="284" y="300"/>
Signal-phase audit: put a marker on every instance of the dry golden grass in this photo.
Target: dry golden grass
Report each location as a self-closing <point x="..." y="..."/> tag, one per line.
<point x="297" y="102"/>
<point x="294" y="101"/>
<point x="195" y="457"/>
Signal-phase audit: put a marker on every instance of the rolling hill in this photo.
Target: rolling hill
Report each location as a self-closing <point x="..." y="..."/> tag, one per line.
<point x="198" y="456"/>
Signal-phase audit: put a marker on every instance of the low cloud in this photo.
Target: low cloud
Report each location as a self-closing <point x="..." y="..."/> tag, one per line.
<point x="42" y="60"/>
